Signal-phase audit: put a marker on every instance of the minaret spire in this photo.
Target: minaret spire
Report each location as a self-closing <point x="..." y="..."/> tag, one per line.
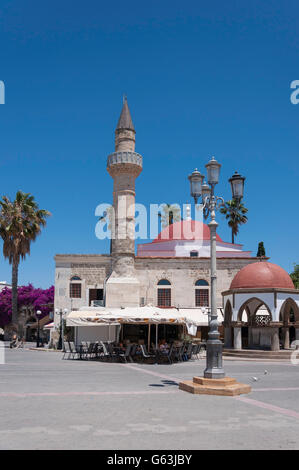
<point x="125" y="131"/>
<point x="125" y="119"/>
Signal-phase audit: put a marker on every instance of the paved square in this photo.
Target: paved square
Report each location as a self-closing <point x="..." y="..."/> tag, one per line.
<point x="48" y="403"/>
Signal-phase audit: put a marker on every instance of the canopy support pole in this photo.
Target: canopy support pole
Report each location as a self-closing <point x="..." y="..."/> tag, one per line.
<point x="157" y="324"/>
<point x="149" y="337"/>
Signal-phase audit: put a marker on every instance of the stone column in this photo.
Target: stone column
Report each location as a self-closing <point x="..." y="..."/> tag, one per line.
<point x="237" y="337"/>
<point x="227" y="337"/>
<point x="286" y="338"/>
<point x="275" y="340"/>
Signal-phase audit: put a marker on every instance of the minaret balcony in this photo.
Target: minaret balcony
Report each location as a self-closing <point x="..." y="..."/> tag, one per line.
<point x="124" y="157"/>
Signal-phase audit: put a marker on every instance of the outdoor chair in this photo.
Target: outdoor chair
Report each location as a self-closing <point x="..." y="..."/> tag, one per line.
<point x="83" y="350"/>
<point x="66" y="350"/>
<point x="169" y="355"/>
<point x="91" y="351"/>
<point x="133" y="352"/>
<point x="145" y="354"/>
<point x="178" y="354"/>
<point x="195" y="350"/>
<point x="105" y="353"/>
<point x="188" y="352"/>
<point x="96" y="349"/>
<point x="75" y="351"/>
<point x="99" y="351"/>
<point x="126" y="354"/>
<point x="112" y="352"/>
<point x="156" y="352"/>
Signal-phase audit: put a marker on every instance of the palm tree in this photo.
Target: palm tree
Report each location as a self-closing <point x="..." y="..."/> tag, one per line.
<point x="171" y="213"/>
<point x="234" y="212"/>
<point x="295" y="276"/>
<point x="108" y="218"/>
<point x="21" y="221"/>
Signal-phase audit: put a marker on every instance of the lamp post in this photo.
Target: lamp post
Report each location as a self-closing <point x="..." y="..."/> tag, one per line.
<point x="211" y="204"/>
<point x="38" y="313"/>
<point x="60" y="312"/>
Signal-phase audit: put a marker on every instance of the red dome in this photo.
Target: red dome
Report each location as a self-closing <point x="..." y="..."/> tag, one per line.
<point x="262" y="274"/>
<point x="185" y="230"/>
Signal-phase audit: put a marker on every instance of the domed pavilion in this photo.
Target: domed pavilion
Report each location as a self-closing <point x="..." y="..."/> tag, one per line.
<point x="261" y="308"/>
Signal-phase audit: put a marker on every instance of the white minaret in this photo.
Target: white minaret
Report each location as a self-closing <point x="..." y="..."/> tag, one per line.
<point x="124" y="165"/>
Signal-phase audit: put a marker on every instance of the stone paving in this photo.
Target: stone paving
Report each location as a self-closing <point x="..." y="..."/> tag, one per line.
<point x="48" y="403"/>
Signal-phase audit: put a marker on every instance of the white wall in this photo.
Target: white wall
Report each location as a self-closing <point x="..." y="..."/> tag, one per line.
<point x="267" y="298"/>
<point x="95" y="333"/>
<point x="281" y="297"/>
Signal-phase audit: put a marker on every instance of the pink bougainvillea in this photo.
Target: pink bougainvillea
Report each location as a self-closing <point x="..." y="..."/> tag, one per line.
<point x="28" y="296"/>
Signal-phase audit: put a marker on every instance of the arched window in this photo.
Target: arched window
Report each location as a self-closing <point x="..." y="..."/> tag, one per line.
<point x="164" y="282"/>
<point x="201" y="282"/>
<point x="164" y="293"/>
<point x="75" y="287"/>
<point x="201" y="293"/>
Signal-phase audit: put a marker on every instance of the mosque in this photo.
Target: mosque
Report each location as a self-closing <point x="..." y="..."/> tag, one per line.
<point x="167" y="281"/>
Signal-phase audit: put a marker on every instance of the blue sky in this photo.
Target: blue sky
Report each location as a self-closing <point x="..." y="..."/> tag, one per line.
<point x="202" y="79"/>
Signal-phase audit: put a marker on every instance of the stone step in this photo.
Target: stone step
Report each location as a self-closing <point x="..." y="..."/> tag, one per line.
<point x="257" y="354"/>
<point x="281" y="352"/>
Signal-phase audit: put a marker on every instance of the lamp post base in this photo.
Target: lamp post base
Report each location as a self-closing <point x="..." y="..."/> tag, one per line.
<point x="214" y="369"/>
<point x="214" y="373"/>
<point x="204" y="386"/>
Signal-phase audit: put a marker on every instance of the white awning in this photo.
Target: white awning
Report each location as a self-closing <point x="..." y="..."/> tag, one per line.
<point x="95" y="316"/>
<point x="49" y="326"/>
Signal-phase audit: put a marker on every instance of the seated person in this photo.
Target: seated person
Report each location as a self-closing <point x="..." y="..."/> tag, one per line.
<point x="163" y="346"/>
<point x="121" y="346"/>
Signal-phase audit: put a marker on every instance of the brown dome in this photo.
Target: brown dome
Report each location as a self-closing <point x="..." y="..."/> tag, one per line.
<point x="262" y="274"/>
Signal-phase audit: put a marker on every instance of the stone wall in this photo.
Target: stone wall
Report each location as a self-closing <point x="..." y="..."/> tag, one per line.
<point x="181" y="272"/>
<point x="92" y="269"/>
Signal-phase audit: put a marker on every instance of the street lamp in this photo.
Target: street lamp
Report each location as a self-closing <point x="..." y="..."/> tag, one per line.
<point x="61" y="330"/>
<point x="196" y="179"/>
<point x="38" y="313"/>
<point x="237" y="185"/>
<point x="211" y="204"/>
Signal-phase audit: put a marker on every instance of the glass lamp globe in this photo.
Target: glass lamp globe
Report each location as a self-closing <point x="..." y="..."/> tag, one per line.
<point x="213" y="170"/>
<point x="237" y="185"/>
<point x="205" y="191"/>
<point x="196" y="179"/>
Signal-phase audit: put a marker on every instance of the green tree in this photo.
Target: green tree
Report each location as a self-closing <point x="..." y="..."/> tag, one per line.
<point x="261" y="252"/>
<point x="234" y="212"/>
<point x="295" y="276"/>
<point x="21" y="221"/>
<point x="171" y="213"/>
